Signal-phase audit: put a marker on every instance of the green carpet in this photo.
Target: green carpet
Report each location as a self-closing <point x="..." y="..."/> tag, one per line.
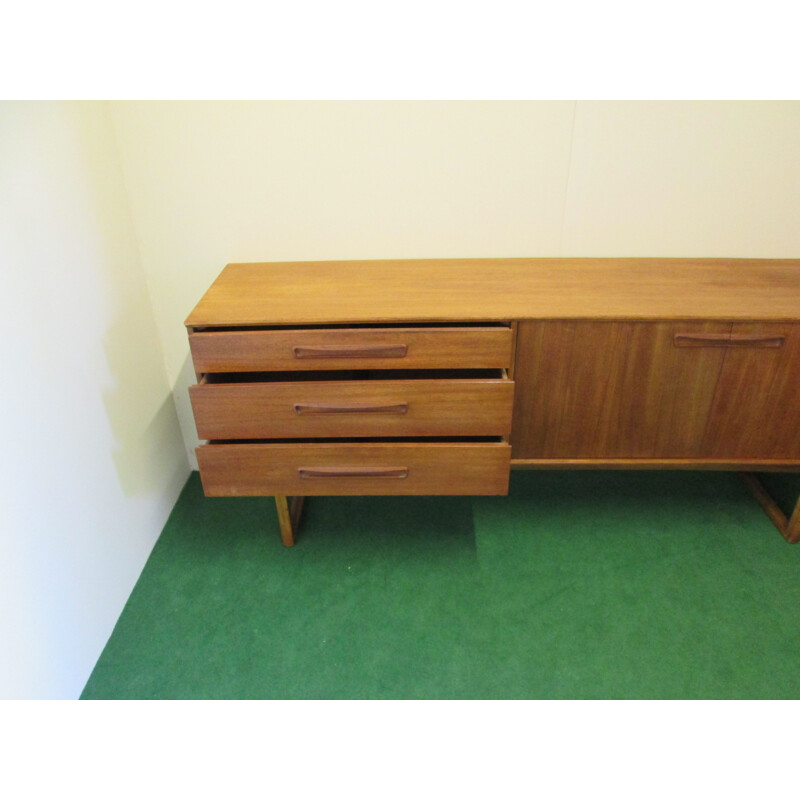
<point x="577" y="585"/>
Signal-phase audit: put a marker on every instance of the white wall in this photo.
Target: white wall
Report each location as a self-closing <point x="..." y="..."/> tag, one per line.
<point x="684" y="179"/>
<point x="216" y="182"/>
<point x="92" y="459"/>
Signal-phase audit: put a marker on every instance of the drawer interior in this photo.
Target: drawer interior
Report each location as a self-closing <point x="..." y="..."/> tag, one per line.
<point x="354" y="375"/>
<point x="371" y="439"/>
<point x="354" y="326"/>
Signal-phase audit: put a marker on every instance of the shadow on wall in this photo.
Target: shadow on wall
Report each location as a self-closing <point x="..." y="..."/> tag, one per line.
<point x="140" y="461"/>
<point x="183" y="406"/>
<point x="148" y="451"/>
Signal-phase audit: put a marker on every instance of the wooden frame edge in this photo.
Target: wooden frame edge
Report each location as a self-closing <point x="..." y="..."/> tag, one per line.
<point x="788" y="527"/>
<point x="655" y="464"/>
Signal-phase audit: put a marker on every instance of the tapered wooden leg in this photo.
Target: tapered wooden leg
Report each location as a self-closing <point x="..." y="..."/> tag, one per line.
<point x="284" y="519"/>
<point x="289" y="517"/>
<point x="789" y="528"/>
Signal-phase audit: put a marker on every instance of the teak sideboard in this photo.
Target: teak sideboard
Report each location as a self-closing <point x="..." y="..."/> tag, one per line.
<point x="436" y="377"/>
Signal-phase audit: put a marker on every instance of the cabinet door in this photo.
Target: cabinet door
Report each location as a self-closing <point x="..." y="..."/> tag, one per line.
<point x="756" y="409"/>
<point x="614" y="389"/>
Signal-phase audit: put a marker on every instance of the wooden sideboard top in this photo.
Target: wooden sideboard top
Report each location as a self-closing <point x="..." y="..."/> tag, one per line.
<point x="298" y="293"/>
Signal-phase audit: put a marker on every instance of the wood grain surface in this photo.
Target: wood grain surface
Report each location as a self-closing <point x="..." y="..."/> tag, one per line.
<point x="595" y="390"/>
<point x="613" y="389"/>
<point x="319" y="409"/>
<point x="415" y="348"/>
<point x="711" y="464"/>
<point x="756" y="408"/>
<point x="297" y="293"/>
<point x="411" y="468"/>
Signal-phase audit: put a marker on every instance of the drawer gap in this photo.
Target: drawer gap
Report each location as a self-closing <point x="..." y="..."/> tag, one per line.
<point x="356" y="375"/>
<point x="356" y="325"/>
<point x="373" y="439"/>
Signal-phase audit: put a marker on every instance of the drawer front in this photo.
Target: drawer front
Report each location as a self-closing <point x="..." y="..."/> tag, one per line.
<point x="351" y="348"/>
<point x="408" y="468"/>
<point x="323" y="409"/>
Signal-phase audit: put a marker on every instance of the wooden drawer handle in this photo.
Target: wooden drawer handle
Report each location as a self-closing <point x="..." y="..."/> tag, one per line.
<point x="746" y="340"/>
<point x="352" y="351"/>
<point x="326" y="408"/>
<point x="727" y="340"/>
<point x="702" y="339"/>
<point x="353" y="472"/>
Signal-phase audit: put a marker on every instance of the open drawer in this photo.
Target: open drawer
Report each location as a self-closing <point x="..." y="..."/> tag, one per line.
<point x="275" y="405"/>
<point x="391" y="347"/>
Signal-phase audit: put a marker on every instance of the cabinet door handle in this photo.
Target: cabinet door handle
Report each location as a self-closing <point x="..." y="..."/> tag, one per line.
<point x="727" y="340"/>
<point x="351" y="351"/>
<point x="328" y="408"/>
<point x="353" y="472"/>
<point x="702" y="339"/>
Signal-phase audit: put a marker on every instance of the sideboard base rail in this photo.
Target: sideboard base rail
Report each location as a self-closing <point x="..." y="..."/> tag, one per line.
<point x="290" y="509"/>
<point x="789" y="527"/>
<point x="714" y="465"/>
